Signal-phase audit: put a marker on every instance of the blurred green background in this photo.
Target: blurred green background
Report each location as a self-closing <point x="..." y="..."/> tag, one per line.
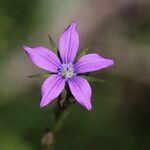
<point x="118" y="29"/>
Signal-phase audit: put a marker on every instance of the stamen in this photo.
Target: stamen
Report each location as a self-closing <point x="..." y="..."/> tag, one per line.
<point x="67" y="70"/>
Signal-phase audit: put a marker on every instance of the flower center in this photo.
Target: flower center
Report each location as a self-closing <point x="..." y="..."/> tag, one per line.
<point x="67" y="70"/>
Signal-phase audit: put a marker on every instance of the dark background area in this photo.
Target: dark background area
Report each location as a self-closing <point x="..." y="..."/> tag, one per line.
<point x="116" y="29"/>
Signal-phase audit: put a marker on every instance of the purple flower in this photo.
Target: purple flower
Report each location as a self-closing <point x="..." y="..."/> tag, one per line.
<point x="65" y="71"/>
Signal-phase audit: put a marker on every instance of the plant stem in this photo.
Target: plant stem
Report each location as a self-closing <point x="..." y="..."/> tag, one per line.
<point x="59" y="113"/>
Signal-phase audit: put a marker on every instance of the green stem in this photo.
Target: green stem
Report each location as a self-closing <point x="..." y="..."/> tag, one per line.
<point x="60" y="112"/>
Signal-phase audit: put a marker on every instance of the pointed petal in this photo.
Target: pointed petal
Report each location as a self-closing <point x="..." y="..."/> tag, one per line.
<point x="92" y="62"/>
<point x="68" y="44"/>
<point x="51" y="89"/>
<point x="43" y="58"/>
<point x="81" y="90"/>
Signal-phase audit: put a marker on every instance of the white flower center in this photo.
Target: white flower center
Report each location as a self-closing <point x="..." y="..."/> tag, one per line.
<point x="67" y="70"/>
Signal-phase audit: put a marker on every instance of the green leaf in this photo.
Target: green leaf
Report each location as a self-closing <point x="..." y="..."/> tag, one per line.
<point x="53" y="45"/>
<point x="93" y="79"/>
<point x="41" y="75"/>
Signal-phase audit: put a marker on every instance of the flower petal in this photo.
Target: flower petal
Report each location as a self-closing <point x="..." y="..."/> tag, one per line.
<point x="92" y="62"/>
<point x="68" y="44"/>
<point x="81" y="90"/>
<point x="44" y="58"/>
<point x="51" y="89"/>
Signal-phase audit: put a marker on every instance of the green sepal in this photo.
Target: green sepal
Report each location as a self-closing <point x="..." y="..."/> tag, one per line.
<point x="52" y="44"/>
<point x="93" y="79"/>
<point x="41" y="75"/>
<point x="83" y="52"/>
